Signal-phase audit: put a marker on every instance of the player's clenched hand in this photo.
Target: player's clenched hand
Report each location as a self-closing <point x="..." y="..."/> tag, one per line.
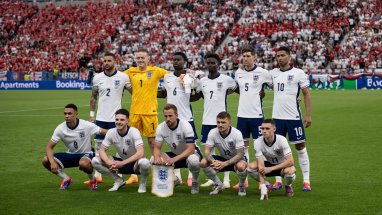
<point x="266" y="170"/>
<point x="111" y="166"/>
<point x="118" y="164"/>
<point x="218" y="165"/>
<point x="307" y="121"/>
<point x="158" y="161"/>
<point x="54" y="167"/>
<point x="170" y="161"/>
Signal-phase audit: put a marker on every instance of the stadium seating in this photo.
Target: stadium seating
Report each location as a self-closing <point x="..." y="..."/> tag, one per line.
<point x="323" y="34"/>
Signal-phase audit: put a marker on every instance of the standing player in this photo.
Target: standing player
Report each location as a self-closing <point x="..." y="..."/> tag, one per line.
<point x="76" y="134"/>
<point x="179" y="136"/>
<point x="129" y="146"/>
<point x="250" y="80"/>
<point x="179" y="95"/>
<point x="108" y="86"/>
<point x="144" y="105"/>
<point x="214" y="89"/>
<point x="229" y="142"/>
<point x="287" y="82"/>
<point x="273" y="158"/>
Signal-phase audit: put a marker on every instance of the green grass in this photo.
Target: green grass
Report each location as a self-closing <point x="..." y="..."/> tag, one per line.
<point x="343" y="143"/>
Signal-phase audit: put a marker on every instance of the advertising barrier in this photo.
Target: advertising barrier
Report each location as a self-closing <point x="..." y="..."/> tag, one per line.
<point x="44" y="85"/>
<point x="369" y="83"/>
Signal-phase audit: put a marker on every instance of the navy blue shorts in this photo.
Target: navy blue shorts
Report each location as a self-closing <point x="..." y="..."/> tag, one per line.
<point x="273" y="173"/>
<point x="193" y="128"/>
<point x="230" y="167"/>
<point x="68" y="160"/>
<point x="128" y="168"/>
<point x="105" y="125"/>
<point x="205" y="130"/>
<point x="294" y="129"/>
<point x="183" y="163"/>
<point x="249" y="126"/>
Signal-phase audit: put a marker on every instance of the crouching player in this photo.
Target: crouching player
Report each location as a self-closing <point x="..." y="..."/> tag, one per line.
<point x="273" y="158"/>
<point x="230" y="144"/>
<point x="76" y="135"/>
<point x="129" y="146"/>
<point x="179" y="136"/>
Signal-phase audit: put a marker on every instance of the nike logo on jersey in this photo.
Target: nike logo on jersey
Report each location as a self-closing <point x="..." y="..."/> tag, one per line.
<point x="204" y="85"/>
<point x="241" y="76"/>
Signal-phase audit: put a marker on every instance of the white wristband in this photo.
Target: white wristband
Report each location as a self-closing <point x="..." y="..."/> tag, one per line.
<point x="91" y="113"/>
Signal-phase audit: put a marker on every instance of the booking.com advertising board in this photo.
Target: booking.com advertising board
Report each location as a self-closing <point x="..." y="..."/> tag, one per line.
<point x="369" y="83"/>
<point x="360" y="83"/>
<point x="45" y="85"/>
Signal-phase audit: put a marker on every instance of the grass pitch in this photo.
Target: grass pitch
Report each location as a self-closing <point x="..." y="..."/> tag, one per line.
<point x="343" y="144"/>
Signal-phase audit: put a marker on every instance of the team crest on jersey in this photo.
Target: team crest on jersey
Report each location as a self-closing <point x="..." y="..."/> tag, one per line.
<point x="149" y="74"/>
<point x="231" y="144"/>
<point x="220" y="85"/>
<point x="255" y="78"/>
<point x="82" y="134"/>
<point x="290" y="78"/>
<point x="278" y="151"/>
<point x="117" y="83"/>
<point x="163" y="174"/>
<point x="128" y="142"/>
<point x="178" y="136"/>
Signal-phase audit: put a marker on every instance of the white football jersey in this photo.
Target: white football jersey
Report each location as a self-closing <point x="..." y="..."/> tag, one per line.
<point x="275" y="153"/>
<point x="124" y="145"/>
<point x="227" y="146"/>
<point x="77" y="140"/>
<point x="110" y="92"/>
<point x="286" y="86"/>
<point x="215" y="96"/>
<point x="177" y="96"/>
<point x="178" y="138"/>
<point x="250" y="84"/>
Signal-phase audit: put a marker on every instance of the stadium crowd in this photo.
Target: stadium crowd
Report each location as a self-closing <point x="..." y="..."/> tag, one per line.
<point x="311" y="28"/>
<point x="322" y="34"/>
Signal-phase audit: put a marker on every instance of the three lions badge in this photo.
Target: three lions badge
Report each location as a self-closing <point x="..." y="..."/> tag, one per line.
<point x="163" y="180"/>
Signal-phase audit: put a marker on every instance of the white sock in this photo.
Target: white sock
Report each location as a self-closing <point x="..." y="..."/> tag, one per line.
<point x="279" y="179"/>
<point x="193" y="167"/>
<point x="303" y="160"/>
<point x="242" y="176"/>
<point x="211" y="174"/>
<point x="62" y="175"/>
<point x="96" y="163"/>
<point x="289" y="179"/>
<point x="144" y="169"/>
<point x="254" y="174"/>
<point x="97" y="174"/>
<point x="177" y="173"/>
<point x="189" y="174"/>
<point x="226" y="176"/>
<point x="91" y="176"/>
